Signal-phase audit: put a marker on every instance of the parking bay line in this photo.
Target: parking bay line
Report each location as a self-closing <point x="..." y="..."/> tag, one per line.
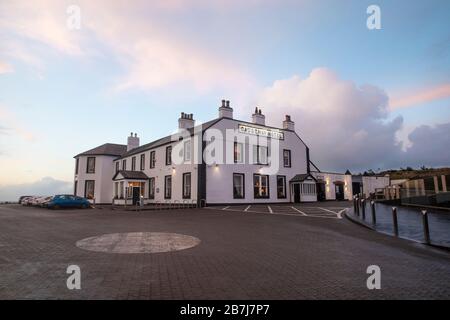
<point x="301" y="212"/>
<point x="336" y="213"/>
<point x="270" y="209"/>
<point x="246" y="209"/>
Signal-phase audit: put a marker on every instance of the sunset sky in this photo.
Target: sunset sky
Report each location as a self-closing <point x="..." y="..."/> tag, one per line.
<point x="361" y="99"/>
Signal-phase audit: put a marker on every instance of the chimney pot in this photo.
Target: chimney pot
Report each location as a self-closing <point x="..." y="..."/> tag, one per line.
<point x="228" y="103"/>
<point x="223" y="103"/>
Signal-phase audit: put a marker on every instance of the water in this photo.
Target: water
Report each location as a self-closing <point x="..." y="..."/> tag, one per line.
<point x="410" y="224"/>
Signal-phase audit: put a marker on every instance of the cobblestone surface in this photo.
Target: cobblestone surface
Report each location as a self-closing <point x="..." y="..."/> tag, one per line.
<point x="240" y="256"/>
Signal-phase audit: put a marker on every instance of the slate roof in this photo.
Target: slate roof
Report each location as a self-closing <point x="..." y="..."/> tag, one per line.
<point x="165" y="140"/>
<point x="107" y="149"/>
<point x="135" y="175"/>
<point x="301" y="177"/>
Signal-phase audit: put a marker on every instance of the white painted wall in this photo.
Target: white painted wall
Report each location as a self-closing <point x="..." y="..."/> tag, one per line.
<point x="330" y="187"/>
<point x="219" y="180"/>
<point x="103" y="177"/>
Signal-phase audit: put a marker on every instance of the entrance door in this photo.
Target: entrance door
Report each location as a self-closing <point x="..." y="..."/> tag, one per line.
<point x="136" y="195"/>
<point x="339" y="191"/>
<point x="321" y="196"/>
<point x="296" y="192"/>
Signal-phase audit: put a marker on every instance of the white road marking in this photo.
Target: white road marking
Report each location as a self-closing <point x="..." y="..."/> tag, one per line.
<point x="302" y="213"/>
<point x="336" y="213"/>
<point x="340" y="213"/>
<point x="246" y="209"/>
<point x="225" y="208"/>
<point x="270" y="209"/>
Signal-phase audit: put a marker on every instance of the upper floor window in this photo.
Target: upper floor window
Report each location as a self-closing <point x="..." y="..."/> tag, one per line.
<point x="142" y="161"/>
<point x="124" y="164"/>
<point x="117" y="166"/>
<point x="260" y="154"/>
<point x="238" y="152"/>
<point x="169" y="155"/>
<point x="77" y="163"/>
<point x="133" y="164"/>
<point x="90" y="165"/>
<point x="152" y="159"/>
<point x="287" y="158"/>
<point x="187" y="150"/>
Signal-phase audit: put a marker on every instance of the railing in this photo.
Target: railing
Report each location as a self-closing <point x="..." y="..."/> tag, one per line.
<point x="359" y="208"/>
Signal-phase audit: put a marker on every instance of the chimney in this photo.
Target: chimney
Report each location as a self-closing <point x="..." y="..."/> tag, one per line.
<point x="133" y="142"/>
<point x="258" y="117"/>
<point x="186" y="121"/>
<point x="288" y="124"/>
<point x="225" y="111"/>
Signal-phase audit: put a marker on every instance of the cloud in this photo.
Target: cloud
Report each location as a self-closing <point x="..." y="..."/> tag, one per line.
<point x="5" y="68"/>
<point x="150" y="49"/>
<point x="344" y="125"/>
<point x="420" y="96"/>
<point x="430" y="145"/>
<point x="45" y="186"/>
<point x="13" y="125"/>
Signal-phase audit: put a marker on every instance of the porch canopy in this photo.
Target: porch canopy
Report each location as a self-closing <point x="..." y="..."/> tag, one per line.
<point x="125" y="181"/>
<point x="130" y="175"/>
<point x="303" y="177"/>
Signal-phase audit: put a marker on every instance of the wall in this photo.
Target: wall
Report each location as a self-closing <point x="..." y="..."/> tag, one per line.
<point x="220" y="178"/>
<point x="370" y="183"/>
<point x="330" y="187"/>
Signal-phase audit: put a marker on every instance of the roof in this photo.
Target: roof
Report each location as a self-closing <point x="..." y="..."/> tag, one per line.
<point x="107" y="149"/>
<point x="166" y="140"/>
<point x="135" y="175"/>
<point x="301" y="177"/>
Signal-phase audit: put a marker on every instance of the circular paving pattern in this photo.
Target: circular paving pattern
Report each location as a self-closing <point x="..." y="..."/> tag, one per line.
<point x="138" y="242"/>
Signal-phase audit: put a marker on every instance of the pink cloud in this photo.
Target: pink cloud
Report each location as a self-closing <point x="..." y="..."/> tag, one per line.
<point x="420" y="97"/>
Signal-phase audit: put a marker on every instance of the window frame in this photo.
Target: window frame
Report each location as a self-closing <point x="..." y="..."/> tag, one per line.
<point x="124" y="164"/>
<point x="150" y="194"/>
<point x="87" y="165"/>
<point x="77" y="164"/>
<point x="133" y="163"/>
<point x="243" y="185"/>
<point x="284" y="187"/>
<point x="289" y="158"/>
<point x="187" y="196"/>
<point x="258" y="158"/>
<point x="86" y="189"/>
<point x="235" y="152"/>
<point x="187" y="151"/>
<point x="142" y="162"/>
<point x="168" y="155"/>
<point x="117" y="166"/>
<point x="75" y="187"/>
<point x="268" y="186"/>
<point x="152" y="159"/>
<point x="167" y="196"/>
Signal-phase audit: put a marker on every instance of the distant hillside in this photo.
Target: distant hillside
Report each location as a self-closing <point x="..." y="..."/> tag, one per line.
<point x="409" y="173"/>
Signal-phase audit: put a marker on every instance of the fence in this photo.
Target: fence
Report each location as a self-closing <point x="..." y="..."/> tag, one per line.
<point x="403" y="221"/>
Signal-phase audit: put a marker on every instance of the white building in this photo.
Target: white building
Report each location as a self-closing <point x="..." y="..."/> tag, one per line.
<point x="222" y="161"/>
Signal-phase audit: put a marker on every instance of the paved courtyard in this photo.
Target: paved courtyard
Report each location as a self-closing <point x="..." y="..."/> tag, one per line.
<point x="215" y="253"/>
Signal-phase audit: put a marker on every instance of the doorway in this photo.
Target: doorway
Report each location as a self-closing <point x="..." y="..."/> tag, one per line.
<point x="136" y="195"/>
<point x="296" y="187"/>
<point x="321" y="195"/>
<point x="339" y="191"/>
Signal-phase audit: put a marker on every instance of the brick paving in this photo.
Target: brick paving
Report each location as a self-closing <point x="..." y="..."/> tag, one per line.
<point x="241" y="256"/>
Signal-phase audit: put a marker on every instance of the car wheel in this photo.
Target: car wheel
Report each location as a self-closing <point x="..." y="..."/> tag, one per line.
<point x="84" y="206"/>
<point x="56" y="207"/>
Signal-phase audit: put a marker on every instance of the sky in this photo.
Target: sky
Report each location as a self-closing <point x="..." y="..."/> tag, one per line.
<point x="360" y="98"/>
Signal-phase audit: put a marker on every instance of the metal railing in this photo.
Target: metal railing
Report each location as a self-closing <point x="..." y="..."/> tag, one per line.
<point x="359" y="207"/>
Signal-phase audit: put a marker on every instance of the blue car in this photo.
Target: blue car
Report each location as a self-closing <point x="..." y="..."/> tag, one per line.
<point x="68" y="201"/>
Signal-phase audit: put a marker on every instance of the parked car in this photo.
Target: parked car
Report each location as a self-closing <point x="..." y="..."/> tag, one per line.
<point x="68" y="201"/>
<point x="42" y="202"/>
<point x="23" y="198"/>
<point x="27" y="200"/>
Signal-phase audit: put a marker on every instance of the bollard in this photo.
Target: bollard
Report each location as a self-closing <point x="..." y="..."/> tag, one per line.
<point x="426" y="229"/>
<point x="363" y="209"/>
<point x="395" y="221"/>
<point x="374" y="218"/>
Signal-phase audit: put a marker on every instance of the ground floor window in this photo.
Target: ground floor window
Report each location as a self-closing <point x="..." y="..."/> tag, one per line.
<point x="89" y="189"/>
<point x="238" y="186"/>
<point x="151" y="188"/>
<point x="75" y="187"/>
<point x="187" y="185"/>
<point x="261" y="186"/>
<point x="116" y="189"/>
<point x="167" y="187"/>
<point x="121" y="189"/>
<point x="281" y="187"/>
<point x="308" y="188"/>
